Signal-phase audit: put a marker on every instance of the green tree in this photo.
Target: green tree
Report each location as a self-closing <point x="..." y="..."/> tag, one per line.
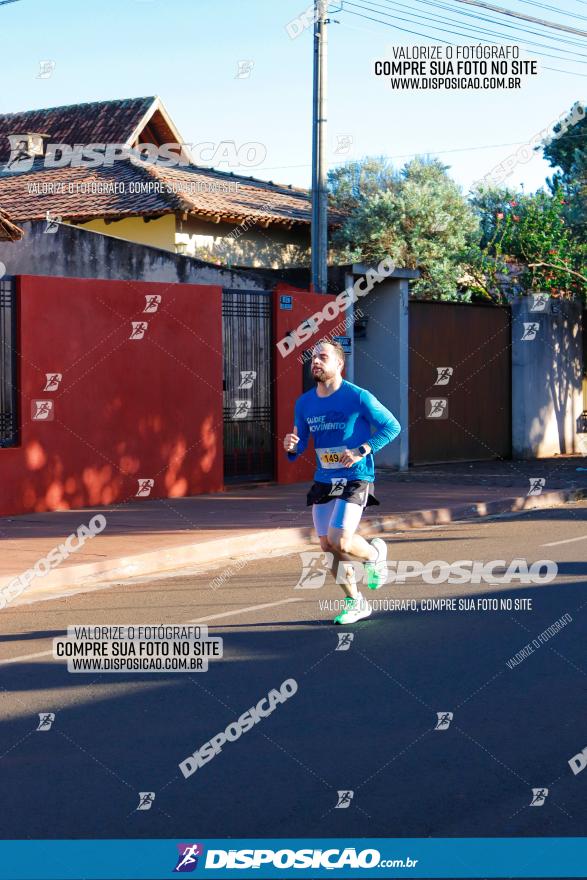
<point x="527" y="243"/>
<point x="356" y="180"/>
<point x="566" y="151"/>
<point x="417" y="216"/>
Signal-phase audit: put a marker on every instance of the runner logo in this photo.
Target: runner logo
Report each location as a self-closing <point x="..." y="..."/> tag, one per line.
<point x="21" y="158"/>
<point x="537" y="484"/>
<point x="247" y="378"/>
<point x="244" y="68"/>
<point x="540" y="302"/>
<point x="344" y="144"/>
<point x="52" y="221"/>
<point x="46" y="720"/>
<point x="187" y="860"/>
<point x="144" y="489"/>
<point x="146" y="799"/>
<point x="138" y="330"/>
<point x="539" y="795"/>
<point x="530" y="330"/>
<point x="444" y="375"/>
<point x="338" y="484"/>
<point x="444" y="719"/>
<point x="42" y="411"/>
<point x="344" y="641"/>
<point x="315" y="565"/>
<point x="436" y="408"/>
<point x="242" y="408"/>
<point x="46" y="68"/>
<point x="344" y="800"/>
<point x="53" y="380"/>
<point x="152" y="302"/>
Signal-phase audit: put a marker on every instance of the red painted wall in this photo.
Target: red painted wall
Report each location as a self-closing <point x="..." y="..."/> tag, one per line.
<point x="288" y="373"/>
<point x="125" y="408"/>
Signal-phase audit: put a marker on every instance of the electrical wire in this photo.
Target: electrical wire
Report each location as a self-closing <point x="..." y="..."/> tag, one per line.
<point x="477" y="17"/>
<point x="467" y="35"/>
<point x="428" y="153"/>
<point x="554" y="9"/>
<point x="440" y="40"/>
<point x="541" y="21"/>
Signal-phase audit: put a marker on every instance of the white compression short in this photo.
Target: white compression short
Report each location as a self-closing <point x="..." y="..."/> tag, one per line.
<point x="336" y="514"/>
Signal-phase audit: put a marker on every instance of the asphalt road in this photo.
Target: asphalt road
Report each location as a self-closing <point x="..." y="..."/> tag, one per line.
<point x="362" y="720"/>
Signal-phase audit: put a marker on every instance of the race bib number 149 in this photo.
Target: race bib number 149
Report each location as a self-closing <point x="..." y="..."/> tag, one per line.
<point x="330" y="458"/>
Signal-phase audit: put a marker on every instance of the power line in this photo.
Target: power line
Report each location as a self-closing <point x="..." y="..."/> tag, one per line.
<point x="427" y="153"/>
<point x="445" y="42"/>
<point x="397" y="27"/>
<point x="452" y="30"/>
<point x="541" y="21"/>
<point x="553" y="9"/>
<point x="477" y="17"/>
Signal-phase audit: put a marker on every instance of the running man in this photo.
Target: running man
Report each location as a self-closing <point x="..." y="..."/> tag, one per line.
<point x="341" y="417"/>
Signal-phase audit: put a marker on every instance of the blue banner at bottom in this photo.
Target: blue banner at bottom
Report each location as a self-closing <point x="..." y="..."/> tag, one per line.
<point x="505" y="857"/>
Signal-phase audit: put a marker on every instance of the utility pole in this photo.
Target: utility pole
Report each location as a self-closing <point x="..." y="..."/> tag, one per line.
<point x="319" y="191"/>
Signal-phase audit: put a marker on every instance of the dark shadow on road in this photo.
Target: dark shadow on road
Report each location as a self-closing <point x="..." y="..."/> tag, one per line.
<point x="363" y="719"/>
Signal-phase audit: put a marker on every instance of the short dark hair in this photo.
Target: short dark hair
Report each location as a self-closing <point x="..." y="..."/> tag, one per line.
<point x="335" y="345"/>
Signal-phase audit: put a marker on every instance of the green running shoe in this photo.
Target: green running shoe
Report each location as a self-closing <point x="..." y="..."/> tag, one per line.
<point x="354" y="609"/>
<point x="376" y="571"/>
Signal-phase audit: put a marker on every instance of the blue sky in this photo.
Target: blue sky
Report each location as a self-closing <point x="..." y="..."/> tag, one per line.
<point x="187" y="52"/>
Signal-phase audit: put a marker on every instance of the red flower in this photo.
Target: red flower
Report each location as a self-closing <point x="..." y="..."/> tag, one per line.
<point x="500" y="216"/>
<point x="515" y="217"/>
<point x="513" y="204"/>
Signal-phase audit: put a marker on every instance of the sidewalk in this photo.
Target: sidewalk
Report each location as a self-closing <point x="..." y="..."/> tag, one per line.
<point x="147" y="537"/>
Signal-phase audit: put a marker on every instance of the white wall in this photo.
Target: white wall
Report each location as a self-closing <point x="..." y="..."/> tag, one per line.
<point x="547" y="397"/>
<point x="251" y="245"/>
<point x="381" y="359"/>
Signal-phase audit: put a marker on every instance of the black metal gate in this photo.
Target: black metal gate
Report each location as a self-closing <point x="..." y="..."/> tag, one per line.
<point x="8" y="416"/>
<point x="248" y="423"/>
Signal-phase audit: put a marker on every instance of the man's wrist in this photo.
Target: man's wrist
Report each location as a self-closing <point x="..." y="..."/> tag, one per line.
<point x="363" y="450"/>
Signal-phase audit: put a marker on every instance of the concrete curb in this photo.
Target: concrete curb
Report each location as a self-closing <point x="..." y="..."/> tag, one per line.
<point x="261" y="543"/>
<point x="443" y="515"/>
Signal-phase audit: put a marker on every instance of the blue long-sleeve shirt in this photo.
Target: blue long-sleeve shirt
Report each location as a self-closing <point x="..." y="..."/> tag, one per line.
<point x="343" y="420"/>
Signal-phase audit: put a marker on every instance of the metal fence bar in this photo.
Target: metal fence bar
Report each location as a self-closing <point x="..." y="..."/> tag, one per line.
<point x="8" y="416"/>
<point x="248" y="435"/>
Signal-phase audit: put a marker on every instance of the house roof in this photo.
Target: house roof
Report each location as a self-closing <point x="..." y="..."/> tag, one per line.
<point x="99" y="122"/>
<point x="213" y="195"/>
<point x="128" y="190"/>
<point x="8" y="231"/>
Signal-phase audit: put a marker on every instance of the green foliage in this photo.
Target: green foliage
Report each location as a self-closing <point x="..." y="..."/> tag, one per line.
<point x="567" y="152"/>
<point x="567" y="149"/>
<point x="498" y="243"/>
<point x="529" y="238"/>
<point x="351" y="183"/>
<point x="417" y="216"/>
